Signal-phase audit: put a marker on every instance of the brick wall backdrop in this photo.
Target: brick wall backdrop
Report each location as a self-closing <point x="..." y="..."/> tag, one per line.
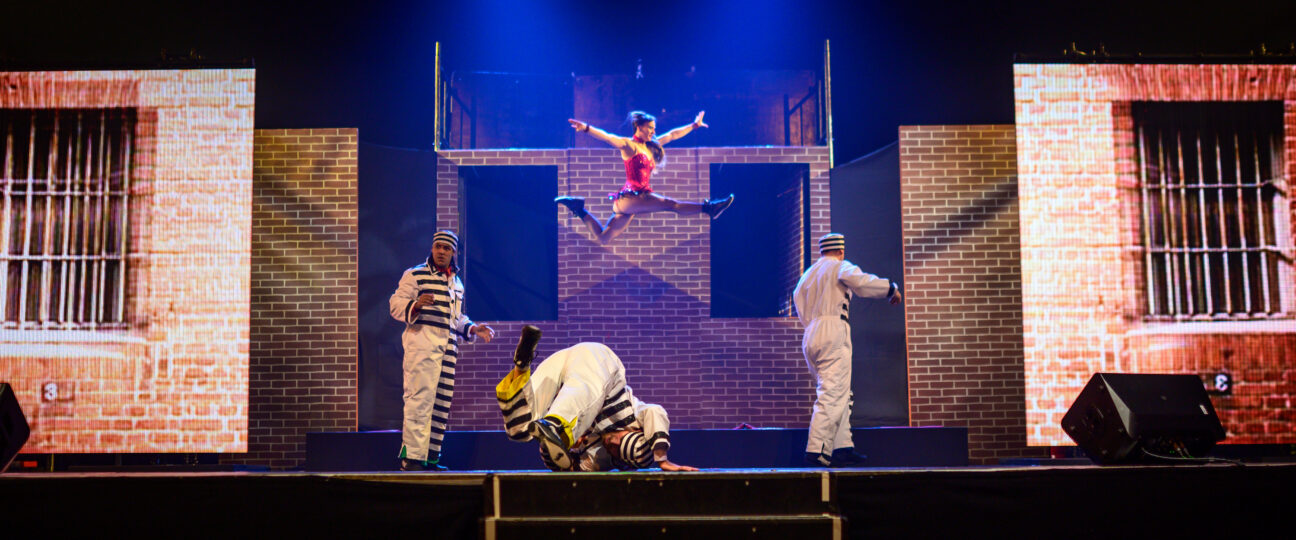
<point x="958" y="199"/>
<point x="174" y="379"/>
<point x="1084" y="290"/>
<point x="647" y="296"/>
<point x="304" y="328"/>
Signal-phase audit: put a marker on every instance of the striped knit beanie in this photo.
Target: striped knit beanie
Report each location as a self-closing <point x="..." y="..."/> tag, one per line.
<point x="635" y="450"/>
<point x="447" y="237"/>
<point x="832" y="241"/>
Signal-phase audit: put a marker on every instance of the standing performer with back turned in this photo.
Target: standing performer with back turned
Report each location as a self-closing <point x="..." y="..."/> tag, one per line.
<point x="822" y="298"/>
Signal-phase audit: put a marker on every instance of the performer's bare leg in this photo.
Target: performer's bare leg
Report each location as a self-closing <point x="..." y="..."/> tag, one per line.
<point x="653" y="202"/>
<point x="615" y="226"/>
<point x="626" y="207"/>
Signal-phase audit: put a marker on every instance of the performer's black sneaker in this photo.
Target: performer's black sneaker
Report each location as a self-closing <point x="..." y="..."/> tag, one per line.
<point x="815" y="459"/>
<point x="552" y="441"/>
<point x="575" y="204"/>
<point x="526" y="349"/>
<point x="847" y="457"/>
<point x="715" y="207"/>
<point x="414" y="465"/>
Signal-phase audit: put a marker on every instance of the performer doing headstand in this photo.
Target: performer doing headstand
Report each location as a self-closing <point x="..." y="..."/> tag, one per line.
<point x="578" y="406"/>
<point x="642" y="153"/>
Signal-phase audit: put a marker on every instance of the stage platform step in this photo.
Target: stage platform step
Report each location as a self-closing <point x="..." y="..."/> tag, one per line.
<point x="720" y="448"/>
<point x="730" y="504"/>
<point x="667" y="494"/>
<point x="628" y="527"/>
<point x="1183" y="501"/>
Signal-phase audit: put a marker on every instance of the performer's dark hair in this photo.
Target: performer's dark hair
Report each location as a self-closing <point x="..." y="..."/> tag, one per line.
<point x="639" y="118"/>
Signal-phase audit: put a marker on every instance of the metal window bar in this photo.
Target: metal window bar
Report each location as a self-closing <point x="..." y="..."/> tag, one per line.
<point x="1201" y="221"/>
<point x="1183" y="280"/>
<point x="64" y="230"/>
<point x="799" y="111"/>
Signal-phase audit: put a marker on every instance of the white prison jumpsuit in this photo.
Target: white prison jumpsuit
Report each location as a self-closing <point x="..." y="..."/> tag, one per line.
<point x="584" y="386"/>
<point x="822" y="298"/>
<point x="431" y="341"/>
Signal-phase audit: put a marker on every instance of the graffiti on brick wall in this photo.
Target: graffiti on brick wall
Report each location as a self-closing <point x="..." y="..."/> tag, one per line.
<point x="126" y="251"/>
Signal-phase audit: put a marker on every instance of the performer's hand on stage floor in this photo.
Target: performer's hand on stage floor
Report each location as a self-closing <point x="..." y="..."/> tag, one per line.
<point x="671" y="468"/>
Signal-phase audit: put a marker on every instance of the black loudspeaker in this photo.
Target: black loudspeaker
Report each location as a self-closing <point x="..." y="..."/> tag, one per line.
<point x="13" y="426"/>
<point x="1138" y="418"/>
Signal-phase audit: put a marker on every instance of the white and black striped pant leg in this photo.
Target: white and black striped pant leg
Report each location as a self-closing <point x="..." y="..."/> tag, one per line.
<point x="428" y="389"/>
<point x="444" y="395"/>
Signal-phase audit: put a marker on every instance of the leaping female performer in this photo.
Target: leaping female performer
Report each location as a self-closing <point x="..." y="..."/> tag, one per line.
<point x="641" y="153"/>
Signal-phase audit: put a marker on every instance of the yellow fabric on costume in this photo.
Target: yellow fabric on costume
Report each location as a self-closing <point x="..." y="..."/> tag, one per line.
<point x="512" y="383"/>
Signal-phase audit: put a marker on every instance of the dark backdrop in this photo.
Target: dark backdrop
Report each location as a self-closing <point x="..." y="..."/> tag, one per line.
<point x="866" y="208"/>
<point x="369" y="64"/>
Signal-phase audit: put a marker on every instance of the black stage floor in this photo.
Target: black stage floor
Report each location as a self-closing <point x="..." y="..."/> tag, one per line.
<point x="1181" y="501"/>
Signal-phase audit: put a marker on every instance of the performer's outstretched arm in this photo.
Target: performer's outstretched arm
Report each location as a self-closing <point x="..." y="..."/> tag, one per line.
<point x="585" y="127"/>
<point x="682" y="130"/>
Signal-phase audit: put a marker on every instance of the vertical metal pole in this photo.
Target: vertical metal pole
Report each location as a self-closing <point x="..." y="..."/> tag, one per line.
<point x="787" y="123"/>
<point x="7" y="176"/>
<point x="828" y="98"/>
<point x="1201" y="223"/>
<point x="1147" y="224"/>
<point x="1262" y="241"/>
<point x="83" y="189"/>
<point x="27" y="223"/>
<point x="1241" y="215"/>
<point x="101" y="228"/>
<point x="1190" y="288"/>
<point x="69" y="178"/>
<point x="128" y="140"/>
<point x="1167" y="231"/>
<point x="1281" y="223"/>
<point x="1223" y="227"/>
<point x="436" y="99"/>
<point x="47" y="240"/>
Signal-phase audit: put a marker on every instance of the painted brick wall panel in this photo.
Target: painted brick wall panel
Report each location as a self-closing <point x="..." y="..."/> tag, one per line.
<point x="648" y="296"/>
<point x="190" y="189"/>
<point x="1078" y="153"/>
<point x="304" y="329"/>
<point x="963" y="308"/>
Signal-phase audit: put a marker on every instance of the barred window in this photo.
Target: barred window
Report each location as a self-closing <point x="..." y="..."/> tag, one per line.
<point x="1212" y="191"/>
<point x="63" y="232"/>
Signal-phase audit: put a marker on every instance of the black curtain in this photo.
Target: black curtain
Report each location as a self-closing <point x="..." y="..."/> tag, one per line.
<point x="397" y="219"/>
<point x="866" y="208"/>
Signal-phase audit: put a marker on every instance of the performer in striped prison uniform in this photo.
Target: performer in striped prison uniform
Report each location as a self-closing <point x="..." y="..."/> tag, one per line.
<point x="578" y="406"/>
<point x="822" y="298"/>
<point x="429" y="300"/>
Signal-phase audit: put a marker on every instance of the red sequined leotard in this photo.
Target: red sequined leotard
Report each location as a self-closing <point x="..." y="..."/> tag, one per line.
<point x="638" y="173"/>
